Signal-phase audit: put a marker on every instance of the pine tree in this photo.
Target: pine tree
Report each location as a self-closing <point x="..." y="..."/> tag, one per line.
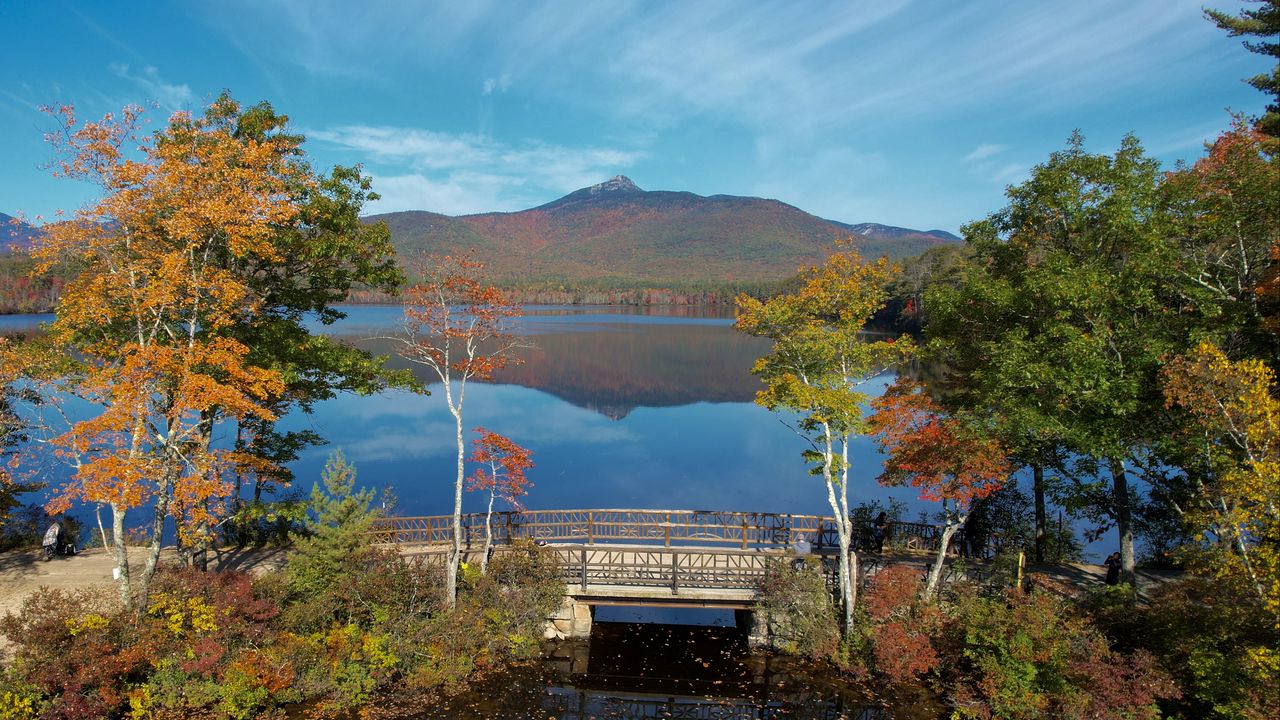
<point x="338" y="531"/>
<point x="1263" y="22"/>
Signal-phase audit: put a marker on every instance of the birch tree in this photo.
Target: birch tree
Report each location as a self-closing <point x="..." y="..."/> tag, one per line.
<point x="459" y="329"/>
<point x="818" y="368"/>
<point x="140" y="329"/>
<point x="948" y="461"/>
<point x="501" y="474"/>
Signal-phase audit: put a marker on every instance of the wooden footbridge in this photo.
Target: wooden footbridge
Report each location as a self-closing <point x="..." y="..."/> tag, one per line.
<point x="689" y="558"/>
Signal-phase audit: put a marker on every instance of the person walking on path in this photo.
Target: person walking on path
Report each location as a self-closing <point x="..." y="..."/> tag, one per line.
<point x="1113" y="568"/>
<point x="880" y="530"/>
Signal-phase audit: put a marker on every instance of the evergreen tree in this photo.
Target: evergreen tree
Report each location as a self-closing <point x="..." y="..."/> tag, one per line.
<point x="1263" y="22"/>
<point x="338" y="531"/>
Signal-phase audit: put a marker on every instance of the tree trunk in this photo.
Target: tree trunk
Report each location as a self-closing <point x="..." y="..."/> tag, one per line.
<point x="1124" y="521"/>
<point x="1037" y="489"/>
<point x="488" y="536"/>
<point x="842" y="530"/>
<point x="935" y="573"/>
<point x="455" y="553"/>
<point x="153" y="545"/>
<point x="121" y="554"/>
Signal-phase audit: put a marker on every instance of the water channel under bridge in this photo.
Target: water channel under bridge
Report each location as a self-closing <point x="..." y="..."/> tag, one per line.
<point x="682" y="558"/>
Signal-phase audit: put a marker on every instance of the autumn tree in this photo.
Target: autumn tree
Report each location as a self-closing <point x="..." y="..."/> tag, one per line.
<point x="818" y="366"/>
<point x="459" y="329"/>
<point x="141" y="327"/>
<point x="948" y="461"/>
<point x="1058" y="331"/>
<point x="502" y="469"/>
<point x="321" y="254"/>
<point x="1236" y="425"/>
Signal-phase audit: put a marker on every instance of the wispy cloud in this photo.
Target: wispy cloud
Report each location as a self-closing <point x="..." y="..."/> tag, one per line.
<point x="501" y="83"/>
<point x="467" y="173"/>
<point x="169" y="95"/>
<point x="984" y="151"/>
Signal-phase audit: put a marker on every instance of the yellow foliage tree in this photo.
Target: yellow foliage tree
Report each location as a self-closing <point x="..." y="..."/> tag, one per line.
<point x="1237" y="421"/>
<point x="140" y="331"/>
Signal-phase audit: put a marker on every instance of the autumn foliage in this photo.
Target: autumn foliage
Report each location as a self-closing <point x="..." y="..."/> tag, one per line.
<point x="933" y="451"/>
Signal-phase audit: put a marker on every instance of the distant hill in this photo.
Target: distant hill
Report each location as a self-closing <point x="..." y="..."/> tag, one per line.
<point x="615" y="232"/>
<point x="15" y="232"/>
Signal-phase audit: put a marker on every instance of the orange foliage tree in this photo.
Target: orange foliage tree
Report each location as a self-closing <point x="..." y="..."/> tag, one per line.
<point x="949" y="461"/>
<point x="460" y="329"/>
<point x="502" y="474"/>
<point x="140" y="328"/>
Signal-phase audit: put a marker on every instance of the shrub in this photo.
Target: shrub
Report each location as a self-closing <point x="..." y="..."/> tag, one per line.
<point x="1215" y="641"/>
<point x="899" y="625"/>
<point x="800" y="610"/>
<point x="1038" y="655"/>
<point x="78" y="649"/>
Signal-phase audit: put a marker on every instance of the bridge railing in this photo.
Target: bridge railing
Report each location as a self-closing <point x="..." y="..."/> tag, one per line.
<point x="648" y="527"/>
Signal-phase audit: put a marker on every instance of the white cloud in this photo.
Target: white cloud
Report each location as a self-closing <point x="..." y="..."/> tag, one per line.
<point x="501" y="83"/>
<point x="984" y="151"/>
<point x="469" y="173"/>
<point x="168" y="95"/>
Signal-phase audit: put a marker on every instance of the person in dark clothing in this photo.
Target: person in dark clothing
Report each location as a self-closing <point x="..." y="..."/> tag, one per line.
<point x="1113" y="568"/>
<point x="880" y="530"/>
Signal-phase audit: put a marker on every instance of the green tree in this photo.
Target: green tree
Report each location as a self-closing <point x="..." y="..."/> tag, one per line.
<point x="1058" y="331"/>
<point x="817" y="368"/>
<point x="337" y="531"/>
<point x="323" y="253"/>
<point x="1262" y="22"/>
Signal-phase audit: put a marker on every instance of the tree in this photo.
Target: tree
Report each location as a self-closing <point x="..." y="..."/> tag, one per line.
<point x="949" y="461"/>
<point x="337" y="531"/>
<point x="1264" y="22"/>
<point x="141" y="326"/>
<point x="460" y="329"/>
<point x="819" y="361"/>
<point x="1058" y="332"/>
<point x="503" y="465"/>
<point x="321" y="255"/>
<point x="1227" y="206"/>
<point x="1237" y="503"/>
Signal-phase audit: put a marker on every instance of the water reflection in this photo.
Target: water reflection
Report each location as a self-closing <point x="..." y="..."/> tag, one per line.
<point x="613" y="368"/>
<point x="660" y="671"/>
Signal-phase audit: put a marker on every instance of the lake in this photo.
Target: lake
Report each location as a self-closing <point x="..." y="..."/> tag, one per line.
<point x="622" y="408"/>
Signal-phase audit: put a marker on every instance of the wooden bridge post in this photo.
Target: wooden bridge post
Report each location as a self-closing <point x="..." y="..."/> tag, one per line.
<point x="675" y="573"/>
<point x="744" y="532"/>
<point x="591" y="528"/>
<point x="666" y="530"/>
<point x="583" y="569"/>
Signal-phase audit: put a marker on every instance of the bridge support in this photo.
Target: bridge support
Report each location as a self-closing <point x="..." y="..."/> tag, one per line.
<point x="572" y="620"/>
<point x="755" y="623"/>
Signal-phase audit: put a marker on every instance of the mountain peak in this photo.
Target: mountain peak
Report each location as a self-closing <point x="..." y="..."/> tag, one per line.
<point x="618" y="187"/>
<point x="617" y="183"/>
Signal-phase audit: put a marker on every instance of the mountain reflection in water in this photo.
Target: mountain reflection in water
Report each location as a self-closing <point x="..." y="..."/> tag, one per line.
<point x="618" y="367"/>
<point x="630" y="670"/>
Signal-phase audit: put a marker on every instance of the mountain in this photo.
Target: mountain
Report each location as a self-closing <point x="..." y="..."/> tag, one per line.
<point x="616" y="233"/>
<point x="15" y="232"/>
<point x="890" y="232"/>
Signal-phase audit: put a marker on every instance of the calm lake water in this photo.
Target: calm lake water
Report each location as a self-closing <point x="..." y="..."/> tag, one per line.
<point x="622" y="408"/>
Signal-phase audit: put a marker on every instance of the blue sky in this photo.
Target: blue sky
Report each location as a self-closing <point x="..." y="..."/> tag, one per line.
<point x="905" y="113"/>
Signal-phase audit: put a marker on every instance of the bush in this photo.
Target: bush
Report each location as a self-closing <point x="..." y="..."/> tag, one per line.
<point x="1038" y="655"/>
<point x="898" y="626"/>
<point x="78" y="649"/>
<point x="1216" y="641"/>
<point x="800" y="610"/>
